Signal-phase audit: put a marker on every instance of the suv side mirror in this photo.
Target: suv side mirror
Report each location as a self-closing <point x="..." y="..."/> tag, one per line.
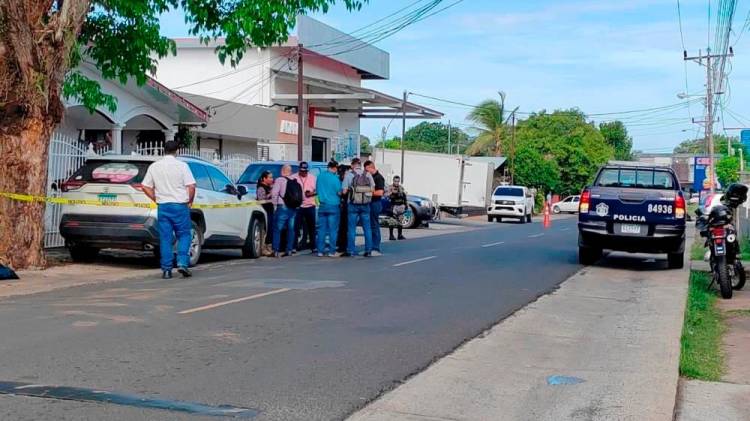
<point x="241" y="191"/>
<point x="231" y="189"/>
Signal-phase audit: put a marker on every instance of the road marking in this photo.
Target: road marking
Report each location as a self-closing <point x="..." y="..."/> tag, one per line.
<point x="536" y="235"/>
<point x="494" y="244"/>
<point x="414" y="261"/>
<point x="236" y="300"/>
<point x="565" y="229"/>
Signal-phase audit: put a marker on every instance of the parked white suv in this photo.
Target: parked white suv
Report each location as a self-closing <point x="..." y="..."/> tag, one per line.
<point x="569" y="204"/>
<point x="511" y="202"/>
<point x="117" y="178"/>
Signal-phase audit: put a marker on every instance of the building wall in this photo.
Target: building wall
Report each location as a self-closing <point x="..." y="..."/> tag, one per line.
<point x="242" y="84"/>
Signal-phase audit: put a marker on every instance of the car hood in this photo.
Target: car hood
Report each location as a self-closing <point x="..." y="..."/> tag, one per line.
<point x="512" y="198"/>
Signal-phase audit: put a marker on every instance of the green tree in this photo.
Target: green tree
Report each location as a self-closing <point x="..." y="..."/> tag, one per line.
<point x="616" y="136"/>
<point x="534" y="170"/>
<point x="489" y="118"/>
<point x="698" y="146"/>
<point x="42" y="40"/>
<point x="433" y="137"/>
<point x="365" y="147"/>
<point x="728" y="170"/>
<point x="575" y="145"/>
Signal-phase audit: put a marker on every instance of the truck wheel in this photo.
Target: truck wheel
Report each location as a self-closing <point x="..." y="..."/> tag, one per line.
<point x="676" y="260"/>
<point x="739" y="271"/>
<point x="254" y="241"/>
<point x="723" y="279"/>
<point x="588" y="256"/>
<point x="528" y="218"/>
<point x="498" y="219"/>
<point x="83" y="254"/>
<point x="490" y="218"/>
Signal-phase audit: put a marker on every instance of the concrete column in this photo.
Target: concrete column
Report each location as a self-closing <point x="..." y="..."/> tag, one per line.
<point x="117" y="138"/>
<point x="169" y="134"/>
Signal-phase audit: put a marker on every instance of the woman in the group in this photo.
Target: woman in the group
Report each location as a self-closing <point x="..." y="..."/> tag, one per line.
<point x="263" y="192"/>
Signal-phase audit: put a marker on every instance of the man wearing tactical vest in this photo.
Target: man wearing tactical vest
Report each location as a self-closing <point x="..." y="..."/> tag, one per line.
<point x="358" y="185"/>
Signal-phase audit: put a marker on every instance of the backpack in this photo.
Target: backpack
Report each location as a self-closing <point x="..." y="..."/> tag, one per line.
<point x="293" y="194"/>
<point x="361" y="190"/>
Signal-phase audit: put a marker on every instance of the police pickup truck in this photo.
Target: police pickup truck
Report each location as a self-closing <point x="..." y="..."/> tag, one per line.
<point x="634" y="208"/>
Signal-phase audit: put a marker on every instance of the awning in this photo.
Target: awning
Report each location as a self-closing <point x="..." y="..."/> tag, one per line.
<point x="330" y="97"/>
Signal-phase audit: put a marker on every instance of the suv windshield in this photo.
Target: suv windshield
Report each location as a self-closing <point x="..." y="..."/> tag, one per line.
<point x="508" y="191"/>
<point x="636" y="178"/>
<point x="111" y="172"/>
<point x="253" y="172"/>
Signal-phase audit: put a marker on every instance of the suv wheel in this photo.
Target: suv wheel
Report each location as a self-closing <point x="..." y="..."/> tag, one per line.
<point x="83" y="254"/>
<point x="528" y="218"/>
<point x="676" y="260"/>
<point x="196" y="243"/>
<point x="490" y="218"/>
<point x="588" y="256"/>
<point x="254" y="240"/>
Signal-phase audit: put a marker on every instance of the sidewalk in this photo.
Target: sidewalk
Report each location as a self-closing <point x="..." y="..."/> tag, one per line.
<point x="605" y="346"/>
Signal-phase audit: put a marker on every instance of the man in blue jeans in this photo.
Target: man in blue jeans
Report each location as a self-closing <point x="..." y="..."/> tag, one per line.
<point x="283" y="216"/>
<point x="376" y="206"/>
<point x="170" y="184"/>
<point x="328" y="187"/>
<point x="358" y="185"/>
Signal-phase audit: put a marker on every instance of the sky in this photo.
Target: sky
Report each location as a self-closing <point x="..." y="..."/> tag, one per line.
<point x="600" y="56"/>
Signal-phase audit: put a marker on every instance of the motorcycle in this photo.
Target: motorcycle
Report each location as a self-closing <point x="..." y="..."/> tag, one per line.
<point x="722" y="240"/>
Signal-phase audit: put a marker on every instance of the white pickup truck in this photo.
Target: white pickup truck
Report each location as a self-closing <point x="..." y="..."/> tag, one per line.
<point x="511" y="202"/>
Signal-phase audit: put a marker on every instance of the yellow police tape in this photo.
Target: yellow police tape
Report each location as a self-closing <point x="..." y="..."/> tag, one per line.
<point x="112" y="203"/>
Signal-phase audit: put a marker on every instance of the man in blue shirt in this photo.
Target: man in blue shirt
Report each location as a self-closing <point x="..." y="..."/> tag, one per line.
<point x="328" y="187"/>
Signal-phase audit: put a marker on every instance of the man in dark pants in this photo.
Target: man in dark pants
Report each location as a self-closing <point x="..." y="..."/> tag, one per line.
<point x="376" y="206"/>
<point x="305" y="219"/>
<point x="170" y="184"/>
<point x="344" y="215"/>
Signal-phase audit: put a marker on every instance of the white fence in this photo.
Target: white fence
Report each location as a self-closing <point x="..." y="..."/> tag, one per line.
<point x="232" y="164"/>
<point x="66" y="156"/>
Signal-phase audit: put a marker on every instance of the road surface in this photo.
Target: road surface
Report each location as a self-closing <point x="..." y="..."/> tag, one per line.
<point x="292" y="339"/>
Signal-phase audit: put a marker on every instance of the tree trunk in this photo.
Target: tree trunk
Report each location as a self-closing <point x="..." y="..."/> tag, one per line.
<point x="24" y="150"/>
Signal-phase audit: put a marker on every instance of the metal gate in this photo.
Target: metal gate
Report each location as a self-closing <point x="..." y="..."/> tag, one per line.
<point x="66" y="156"/>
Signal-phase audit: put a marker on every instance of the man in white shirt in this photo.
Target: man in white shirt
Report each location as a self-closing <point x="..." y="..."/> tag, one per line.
<point x="170" y="184"/>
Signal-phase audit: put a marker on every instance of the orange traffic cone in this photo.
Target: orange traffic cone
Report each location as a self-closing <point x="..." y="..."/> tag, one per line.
<point x="547" y="221"/>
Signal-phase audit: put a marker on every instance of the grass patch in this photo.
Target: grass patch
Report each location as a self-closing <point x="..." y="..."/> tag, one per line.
<point x="697" y="250"/>
<point x="701" y="356"/>
<point x="743" y="313"/>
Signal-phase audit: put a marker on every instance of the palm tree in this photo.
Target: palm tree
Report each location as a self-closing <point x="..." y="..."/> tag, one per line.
<point x="490" y="121"/>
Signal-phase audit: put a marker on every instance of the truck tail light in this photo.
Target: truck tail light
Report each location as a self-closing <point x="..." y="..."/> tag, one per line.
<point x="72" y="185"/>
<point x="583" y="207"/>
<point x="679" y="207"/>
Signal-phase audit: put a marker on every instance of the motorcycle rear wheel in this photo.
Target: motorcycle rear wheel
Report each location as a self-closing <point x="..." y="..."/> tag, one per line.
<point x="723" y="279"/>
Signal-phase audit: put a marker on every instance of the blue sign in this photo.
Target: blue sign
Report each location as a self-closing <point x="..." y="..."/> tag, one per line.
<point x="745" y="138"/>
<point x="699" y="172"/>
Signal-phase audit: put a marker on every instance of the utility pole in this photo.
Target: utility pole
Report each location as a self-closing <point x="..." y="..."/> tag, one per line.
<point x="513" y="146"/>
<point x="403" y="132"/>
<point x="300" y="105"/>
<point x="709" y="123"/>
<point x="383" y="134"/>
<point x="449" y="137"/>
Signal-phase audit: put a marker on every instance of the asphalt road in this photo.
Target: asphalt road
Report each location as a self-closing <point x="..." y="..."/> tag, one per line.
<point x="295" y="339"/>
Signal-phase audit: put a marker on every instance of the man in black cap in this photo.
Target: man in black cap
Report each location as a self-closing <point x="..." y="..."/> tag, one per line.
<point x="305" y="220"/>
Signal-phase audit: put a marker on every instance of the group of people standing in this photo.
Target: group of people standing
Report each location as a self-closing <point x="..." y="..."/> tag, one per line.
<point x="322" y="213"/>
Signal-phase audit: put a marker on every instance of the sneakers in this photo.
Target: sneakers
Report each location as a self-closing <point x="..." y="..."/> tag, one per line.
<point x="167" y="274"/>
<point x="376" y="253"/>
<point x="321" y="255"/>
<point x="367" y="254"/>
<point x="392" y="238"/>
<point x="401" y="237"/>
<point x="185" y="272"/>
<point x="346" y="254"/>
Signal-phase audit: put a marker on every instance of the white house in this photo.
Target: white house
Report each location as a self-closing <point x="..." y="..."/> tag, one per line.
<point x="150" y="112"/>
<point x="253" y="107"/>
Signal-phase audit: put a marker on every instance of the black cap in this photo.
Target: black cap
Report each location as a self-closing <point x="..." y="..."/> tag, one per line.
<point x="333" y="164"/>
<point x="303" y="166"/>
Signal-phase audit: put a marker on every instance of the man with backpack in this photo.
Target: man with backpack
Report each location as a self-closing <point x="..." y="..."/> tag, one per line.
<point x="358" y="185"/>
<point x="286" y="195"/>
